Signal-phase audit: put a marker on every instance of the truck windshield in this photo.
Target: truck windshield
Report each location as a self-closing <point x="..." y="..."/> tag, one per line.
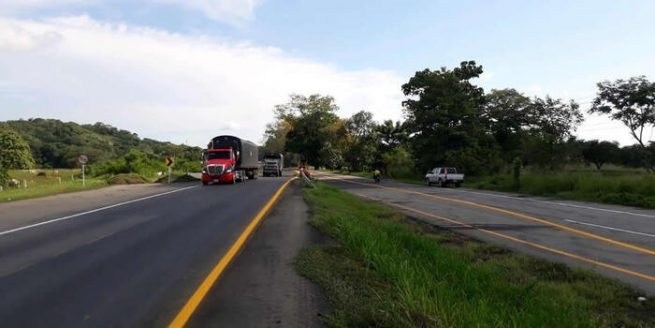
<point x="218" y="155"/>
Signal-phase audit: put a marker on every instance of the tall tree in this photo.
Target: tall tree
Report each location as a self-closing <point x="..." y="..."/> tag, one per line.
<point x="552" y="123"/>
<point x="15" y="153"/>
<point x="275" y="136"/>
<point x="390" y="135"/>
<point x="443" y="116"/>
<point x="362" y="140"/>
<point x="600" y="153"/>
<point x="309" y="119"/>
<point x="554" y="119"/>
<point x="506" y="115"/>
<point x="630" y="101"/>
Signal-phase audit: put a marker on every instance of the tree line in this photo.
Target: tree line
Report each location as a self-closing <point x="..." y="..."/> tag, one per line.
<point x="49" y="143"/>
<point x="451" y="121"/>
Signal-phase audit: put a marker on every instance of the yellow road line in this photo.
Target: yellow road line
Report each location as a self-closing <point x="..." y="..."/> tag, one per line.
<point x="519" y="215"/>
<point x="525" y="242"/>
<point x="192" y="304"/>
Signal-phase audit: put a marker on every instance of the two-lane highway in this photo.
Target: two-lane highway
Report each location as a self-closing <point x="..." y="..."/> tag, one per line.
<point x="135" y="262"/>
<point x="613" y="240"/>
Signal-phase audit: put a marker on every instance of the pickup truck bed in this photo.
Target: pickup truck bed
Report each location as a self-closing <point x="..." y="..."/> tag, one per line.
<point x="444" y="176"/>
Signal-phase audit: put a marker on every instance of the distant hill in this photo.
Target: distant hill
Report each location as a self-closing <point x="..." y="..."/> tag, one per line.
<point x="58" y="144"/>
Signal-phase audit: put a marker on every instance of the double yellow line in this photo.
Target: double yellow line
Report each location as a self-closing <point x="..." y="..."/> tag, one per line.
<point x="521" y="216"/>
<point x="192" y="304"/>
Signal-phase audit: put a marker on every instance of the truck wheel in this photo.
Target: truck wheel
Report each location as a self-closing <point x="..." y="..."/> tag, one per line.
<point x="234" y="179"/>
<point x="279" y="174"/>
<point x="204" y="183"/>
<point x="427" y="181"/>
<point x="458" y="184"/>
<point x="442" y="184"/>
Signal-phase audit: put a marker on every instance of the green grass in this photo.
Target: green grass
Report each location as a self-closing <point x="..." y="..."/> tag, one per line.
<point x="384" y="270"/>
<point x="612" y="187"/>
<point x="40" y="186"/>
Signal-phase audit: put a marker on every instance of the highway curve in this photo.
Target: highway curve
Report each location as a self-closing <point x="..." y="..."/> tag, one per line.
<point x="133" y="264"/>
<point x="615" y="241"/>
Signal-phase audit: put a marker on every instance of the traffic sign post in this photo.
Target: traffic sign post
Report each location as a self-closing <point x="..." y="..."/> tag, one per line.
<point x="169" y="162"/>
<point x="83" y="160"/>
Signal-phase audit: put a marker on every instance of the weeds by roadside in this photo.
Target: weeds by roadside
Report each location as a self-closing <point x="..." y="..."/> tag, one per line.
<point x="46" y="182"/>
<point x="625" y="189"/>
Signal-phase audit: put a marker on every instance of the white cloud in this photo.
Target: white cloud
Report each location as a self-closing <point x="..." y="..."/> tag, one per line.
<point x="30" y="4"/>
<point x="167" y="86"/>
<point x="230" y="11"/>
<point x="235" y="12"/>
<point x="17" y="38"/>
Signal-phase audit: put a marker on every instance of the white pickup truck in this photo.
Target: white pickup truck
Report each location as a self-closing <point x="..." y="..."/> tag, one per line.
<point x="443" y="176"/>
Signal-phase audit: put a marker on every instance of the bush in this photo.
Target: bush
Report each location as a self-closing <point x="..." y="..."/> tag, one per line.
<point x="629" y="188"/>
<point x="188" y="166"/>
<point x="126" y="179"/>
<point x="398" y="163"/>
<point x="4" y="176"/>
<point x="133" y="162"/>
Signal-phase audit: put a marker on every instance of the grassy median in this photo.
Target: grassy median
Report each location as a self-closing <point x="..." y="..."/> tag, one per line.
<point x="387" y="271"/>
<point x="619" y="186"/>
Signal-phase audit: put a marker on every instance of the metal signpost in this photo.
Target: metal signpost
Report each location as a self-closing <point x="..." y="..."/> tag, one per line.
<point x="169" y="162"/>
<point x="83" y="160"/>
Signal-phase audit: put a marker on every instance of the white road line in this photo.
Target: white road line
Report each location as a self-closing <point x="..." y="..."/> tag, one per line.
<point x="560" y="204"/>
<point x="68" y="217"/>
<point x="611" y="228"/>
<point x="603" y="209"/>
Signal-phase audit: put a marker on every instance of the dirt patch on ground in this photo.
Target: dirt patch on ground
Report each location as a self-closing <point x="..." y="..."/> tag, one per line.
<point x="178" y="178"/>
<point x="122" y="179"/>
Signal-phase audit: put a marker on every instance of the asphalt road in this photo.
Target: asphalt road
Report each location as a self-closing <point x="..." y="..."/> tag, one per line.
<point x="125" y="260"/>
<point x="615" y="241"/>
<point x="261" y="288"/>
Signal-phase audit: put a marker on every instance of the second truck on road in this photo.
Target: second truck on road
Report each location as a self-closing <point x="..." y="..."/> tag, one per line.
<point x="273" y="165"/>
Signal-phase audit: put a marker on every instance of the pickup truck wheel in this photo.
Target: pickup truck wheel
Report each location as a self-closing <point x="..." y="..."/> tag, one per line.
<point x="443" y="184"/>
<point x="427" y="182"/>
<point x="458" y="184"/>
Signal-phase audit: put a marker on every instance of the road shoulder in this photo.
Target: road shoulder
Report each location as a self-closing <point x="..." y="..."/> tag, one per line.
<point x="261" y="288"/>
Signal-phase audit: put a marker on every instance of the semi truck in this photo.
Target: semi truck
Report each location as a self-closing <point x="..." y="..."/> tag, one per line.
<point x="229" y="159"/>
<point x="273" y="165"/>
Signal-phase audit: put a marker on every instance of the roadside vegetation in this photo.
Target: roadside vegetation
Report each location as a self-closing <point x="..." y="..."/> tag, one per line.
<point x="385" y="270"/>
<point x="47" y="182"/>
<point x="618" y="186"/>
<point x="500" y="139"/>
<point x="39" y="157"/>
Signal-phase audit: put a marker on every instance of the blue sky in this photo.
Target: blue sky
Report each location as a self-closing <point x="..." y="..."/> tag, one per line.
<point x="359" y="51"/>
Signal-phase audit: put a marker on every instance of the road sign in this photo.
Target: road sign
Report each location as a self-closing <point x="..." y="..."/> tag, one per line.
<point x="169" y="161"/>
<point x="83" y="160"/>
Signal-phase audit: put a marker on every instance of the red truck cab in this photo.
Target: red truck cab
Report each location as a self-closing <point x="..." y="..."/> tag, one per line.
<point x="219" y="166"/>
